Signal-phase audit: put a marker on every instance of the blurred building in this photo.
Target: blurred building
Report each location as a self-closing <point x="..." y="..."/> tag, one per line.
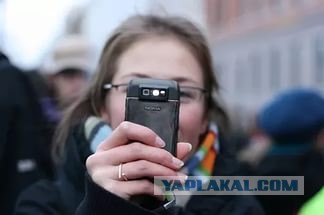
<point x="191" y="9"/>
<point x="263" y="46"/>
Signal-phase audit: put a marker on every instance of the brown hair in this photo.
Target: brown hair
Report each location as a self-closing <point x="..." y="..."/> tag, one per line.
<point x="129" y="32"/>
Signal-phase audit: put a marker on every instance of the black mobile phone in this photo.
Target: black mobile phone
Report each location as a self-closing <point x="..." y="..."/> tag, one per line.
<point x="154" y="103"/>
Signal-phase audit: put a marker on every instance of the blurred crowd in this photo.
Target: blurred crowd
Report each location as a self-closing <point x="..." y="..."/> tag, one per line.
<point x="288" y="141"/>
<point x="32" y="104"/>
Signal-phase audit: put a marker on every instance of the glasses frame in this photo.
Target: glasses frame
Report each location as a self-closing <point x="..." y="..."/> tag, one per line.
<point x="110" y="86"/>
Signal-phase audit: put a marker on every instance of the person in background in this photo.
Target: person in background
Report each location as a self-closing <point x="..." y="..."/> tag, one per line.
<point x="66" y="74"/>
<point x="93" y="138"/>
<point x="24" y="138"/>
<point x="256" y="147"/>
<point x="294" y="122"/>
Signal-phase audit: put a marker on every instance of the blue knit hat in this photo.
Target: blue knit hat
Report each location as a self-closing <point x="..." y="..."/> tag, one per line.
<point x="294" y="115"/>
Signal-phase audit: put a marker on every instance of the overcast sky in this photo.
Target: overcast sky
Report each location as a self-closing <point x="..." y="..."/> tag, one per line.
<point x="30" y="27"/>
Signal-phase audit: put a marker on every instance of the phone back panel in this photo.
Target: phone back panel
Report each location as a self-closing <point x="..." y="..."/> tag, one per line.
<point x="160" y="116"/>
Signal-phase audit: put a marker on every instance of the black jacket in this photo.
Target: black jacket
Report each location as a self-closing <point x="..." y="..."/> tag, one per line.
<point x="309" y="165"/>
<point x="24" y="154"/>
<point x="65" y="194"/>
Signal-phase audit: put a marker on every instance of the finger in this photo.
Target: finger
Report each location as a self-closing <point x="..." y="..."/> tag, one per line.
<point x="130" y="171"/>
<point x="128" y="131"/>
<point x="136" y="151"/>
<point x="142" y="168"/>
<point x="183" y="149"/>
<point x="134" y="170"/>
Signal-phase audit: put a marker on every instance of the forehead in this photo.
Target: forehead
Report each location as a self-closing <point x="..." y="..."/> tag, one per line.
<point x="159" y="57"/>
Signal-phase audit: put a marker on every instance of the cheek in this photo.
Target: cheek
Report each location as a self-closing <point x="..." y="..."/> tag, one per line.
<point x="115" y="110"/>
<point x="191" y="123"/>
<point x="61" y="87"/>
<point x="58" y="83"/>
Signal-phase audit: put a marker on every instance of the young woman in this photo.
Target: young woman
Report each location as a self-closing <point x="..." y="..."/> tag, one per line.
<point x="142" y="46"/>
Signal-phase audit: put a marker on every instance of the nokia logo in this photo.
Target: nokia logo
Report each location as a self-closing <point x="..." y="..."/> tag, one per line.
<point x="152" y="108"/>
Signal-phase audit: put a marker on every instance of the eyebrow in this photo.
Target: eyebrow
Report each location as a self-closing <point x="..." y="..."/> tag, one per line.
<point x="178" y="79"/>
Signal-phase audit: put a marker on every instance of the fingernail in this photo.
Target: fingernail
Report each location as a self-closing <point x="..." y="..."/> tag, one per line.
<point x="189" y="147"/>
<point x="177" y="162"/>
<point x="159" y="142"/>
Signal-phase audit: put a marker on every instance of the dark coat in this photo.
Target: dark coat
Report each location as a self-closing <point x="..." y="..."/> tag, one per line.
<point x="63" y="196"/>
<point x="309" y="165"/>
<point x="24" y="155"/>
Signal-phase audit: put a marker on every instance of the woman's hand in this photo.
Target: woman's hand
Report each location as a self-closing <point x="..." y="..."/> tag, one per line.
<point x="142" y="158"/>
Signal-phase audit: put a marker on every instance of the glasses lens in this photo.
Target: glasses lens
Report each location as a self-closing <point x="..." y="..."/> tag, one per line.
<point x="189" y="95"/>
<point x="122" y="88"/>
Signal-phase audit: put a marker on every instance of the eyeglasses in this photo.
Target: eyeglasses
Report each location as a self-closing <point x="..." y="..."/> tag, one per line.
<point x="188" y="94"/>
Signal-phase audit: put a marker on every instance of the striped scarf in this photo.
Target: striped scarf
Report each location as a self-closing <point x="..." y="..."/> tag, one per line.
<point x="203" y="161"/>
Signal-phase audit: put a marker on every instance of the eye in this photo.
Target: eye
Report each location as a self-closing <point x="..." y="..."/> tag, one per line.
<point x="185" y="94"/>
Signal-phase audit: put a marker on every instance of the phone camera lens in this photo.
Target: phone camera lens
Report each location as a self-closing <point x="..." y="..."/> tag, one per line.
<point x="156" y="92"/>
<point x="146" y="92"/>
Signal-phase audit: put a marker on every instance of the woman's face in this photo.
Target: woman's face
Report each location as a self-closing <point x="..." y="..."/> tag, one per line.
<point x="161" y="58"/>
